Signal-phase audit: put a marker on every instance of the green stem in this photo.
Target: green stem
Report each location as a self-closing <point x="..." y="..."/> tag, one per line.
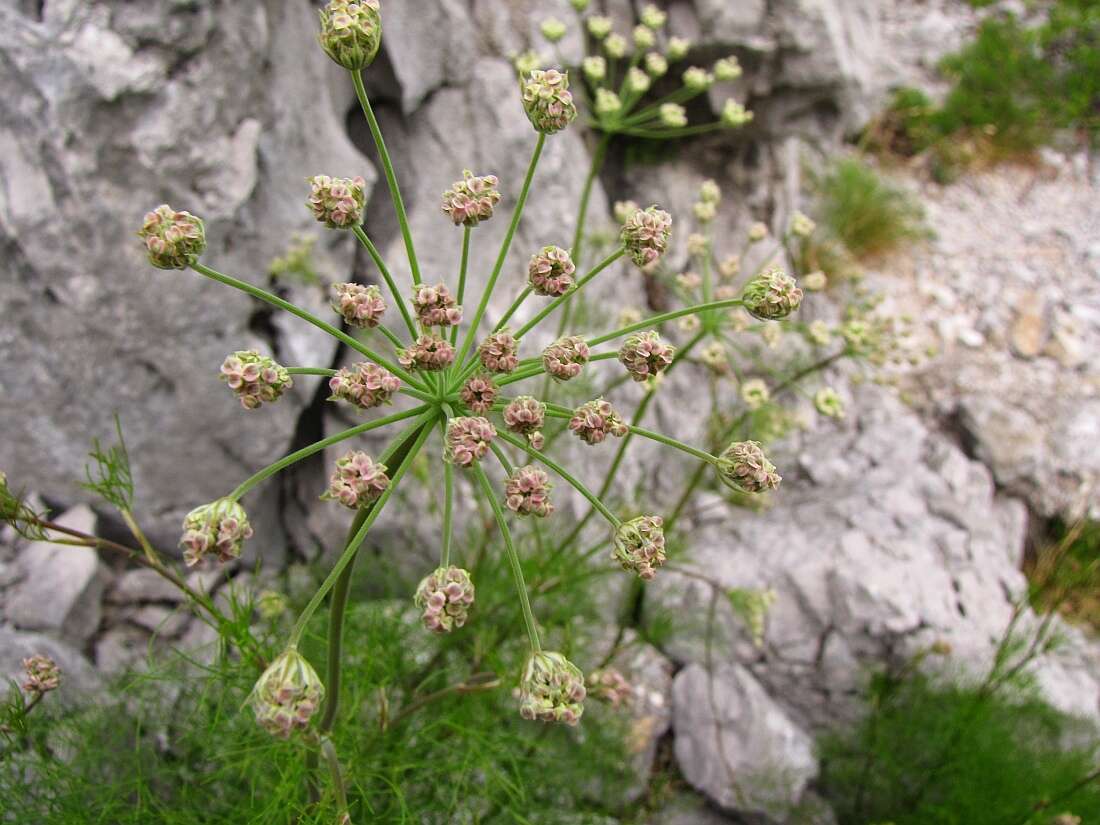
<point x="667" y="316"/>
<point x="391" y="178"/>
<point x="353" y="546"/>
<point x="463" y="267"/>
<point x="516" y="304"/>
<point x="329" y="751"/>
<point x="317" y="446"/>
<point x="600" y="267"/>
<point x="557" y="412"/>
<point x="534" y="370"/>
<point x="339" y="335"/>
<point x="311" y="371"/>
<point x="471" y="333"/>
<point x="387" y="276"/>
<point x="448" y="506"/>
<point x="563" y="473"/>
<point x="513" y="559"/>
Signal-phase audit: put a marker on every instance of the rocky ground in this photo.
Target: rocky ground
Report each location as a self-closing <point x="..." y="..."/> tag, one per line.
<point x="899" y="528"/>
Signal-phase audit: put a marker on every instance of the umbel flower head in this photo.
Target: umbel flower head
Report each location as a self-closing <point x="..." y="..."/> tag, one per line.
<point x="468" y="439"/>
<point x="527" y="492"/>
<point x="771" y="295"/>
<point x="435" y="306"/>
<point x="609" y="685"/>
<point x="552" y="689"/>
<point x="361" y="306"/>
<point x="220" y="528"/>
<point x="42" y="674"/>
<point x="479" y="393"/>
<point x="548" y="101"/>
<point x="255" y="378"/>
<point x="744" y="467"/>
<point x="640" y="545"/>
<point x="646" y="234"/>
<point x="565" y="358"/>
<point x="173" y="240"/>
<point x="595" y="420"/>
<point x="525" y="416"/>
<point x="551" y="271"/>
<point x="645" y="355"/>
<point x="365" y="385"/>
<point x="471" y="200"/>
<point x="357" y="481"/>
<point x="499" y="352"/>
<point x="287" y="695"/>
<point x="351" y="32"/>
<point x="445" y="596"/>
<point x="828" y="403"/>
<point x="430" y="353"/>
<point x="337" y="202"/>
<point x="755" y="393"/>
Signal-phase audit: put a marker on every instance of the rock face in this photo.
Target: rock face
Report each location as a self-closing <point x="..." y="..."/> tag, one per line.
<point x="60" y="587"/>
<point x="737" y="745"/>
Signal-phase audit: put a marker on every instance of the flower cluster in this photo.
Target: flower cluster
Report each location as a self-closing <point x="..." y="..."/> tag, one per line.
<point x="360" y="306"/>
<point x="548" y="101"/>
<point x="646" y="234"/>
<point x="828" y="403"/>
<point x="552" y="689"/>
<point x="254" y="378"/>
<point x="755" y="393"/>
<point x="351" y="32"/>
<point x="364" y="385"/>
<point x="527" y="492"/>
<point x="220" y="528"/>
<point x="337" y="202"/>
<point x="445" y="596"/>
<point x="645" y="355"/>
<point x="771" y="295"/>
<point x="595" y="420"/>
<point x="435" y="306"/>
<point x="551" y="271"/>
<point x="565" y="358"/>
<point x="173" y="240"/>
<point x="357" y="481"/>
<point x="609" y="685"/>
<point x="471" y="200"/>
<point x="430" y="353"/>
<point x="42" y="674"/>
<point x="640" y="545"/>
<point x="744" y="467"/>
<point x="524" y="416"/>
<point x="287" y="695"/>
<point x="468" y="439"/>
<point x="479" y="393"/>
<point x="499" y="352"/>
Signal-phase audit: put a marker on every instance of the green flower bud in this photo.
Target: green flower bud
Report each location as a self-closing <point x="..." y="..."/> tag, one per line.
<point x="653" y="18"/>
<point x="552" y="29"/>
<point x="771" y="295"/>
<point x="727" y="69"/>
<point x="734" y="115"/>
<point x="173" y="240"/>
<point x="615" y="45"/>
<point x="678" y="49"/>
<point x="697" y="80"/>
<point x="744" y="467"/>
<point x="607" y="102"/>
<point x="595" y="69"/>
<point x="644" y="37"/>
<point x="599" y="26"/>
<point x="828" y="403"/>
<point x="287" y="695"/>
<point x="351" y="32"/>
<point x="655" y="65"/>
<point x="548" y="101"/>
<point x="552" y="689"/>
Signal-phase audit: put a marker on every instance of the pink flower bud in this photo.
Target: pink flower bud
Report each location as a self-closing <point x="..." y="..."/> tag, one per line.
<point x="365" y="385"/>
<point x="744" y="467"/>
<point x="445" y="596"/>
<point x="645" y="355"/>
<point x="43" y="674"/>
<point x="254" y="378"/>
<point x="646" y="234"/>
<point x="608" y="685"/>
<point x="771" y="295"/>
<point x="552" y="689"/>
<point x="471" y="200"/>
<point x="593" y="421"/>
<point x="357" y="481"/>
<point x="430" y="353"/>
<point x="527" y="492"/>
<point x="640" y="545"/>
<point x="565" y="358"/>
<point x="548" y="101"/>
<point x="173" y="240"/>
<point x="287" y="695"/>
<point x="551" y="271"/>
<point x="478" y="394"/>
<point x="467" y="440"/>
<point x="435" y="306"/>
<point x="525" y="416"/>
<point x="351" y="32"/>
<point x="337" y="202"/>
<point x="499" y="352"/>
<point x="361" y="306"/>
<point x="219" y="528"/>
